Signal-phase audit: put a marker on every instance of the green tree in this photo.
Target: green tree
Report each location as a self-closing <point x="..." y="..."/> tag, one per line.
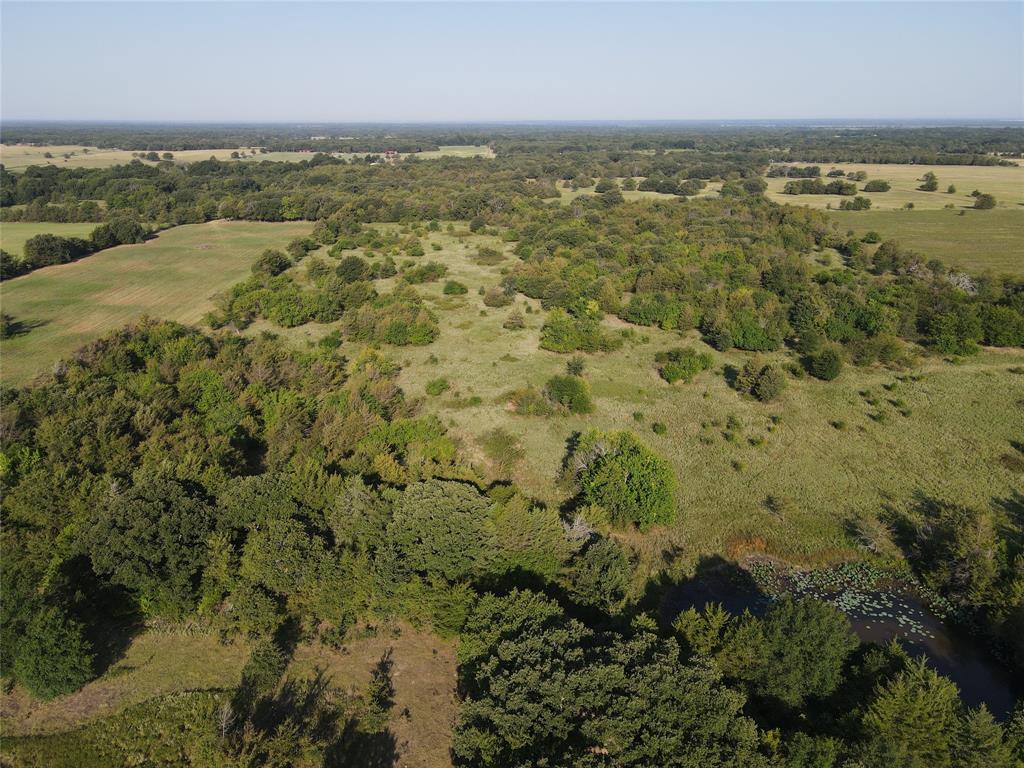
<point x="151" y="539"/>
<point x="826" y="364"/>
<point x="53" y="657"/>
<point x="913" y="720"/>
<point x="618" y="472"/>
<point x="438" y="528"/>
<point x="796" y="652"/>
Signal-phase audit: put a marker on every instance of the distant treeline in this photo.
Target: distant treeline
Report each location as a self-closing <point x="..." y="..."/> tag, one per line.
<point x="826" y="144"/>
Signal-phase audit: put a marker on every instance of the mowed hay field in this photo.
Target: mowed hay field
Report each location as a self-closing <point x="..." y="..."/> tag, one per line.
<point x="834" y="450"/>
<point x="976" y="241"/>
<point x="18" y="157"/>
<point x="13" y="234"/>
<point x="172" y="276"/>
<point x="1006" y="183"/>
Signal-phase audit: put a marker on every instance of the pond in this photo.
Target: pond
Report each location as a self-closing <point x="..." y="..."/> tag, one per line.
<point x="877" y="613"/>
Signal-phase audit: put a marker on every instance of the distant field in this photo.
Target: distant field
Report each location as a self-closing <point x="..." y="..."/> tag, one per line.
<point x="978" y="240"/>
<point x="172" y="276"/>
<point x="14" y="234"/>
<point x="18" y="157"/>
<point x="1007" y="184"/>
<point x="965" y="415"/>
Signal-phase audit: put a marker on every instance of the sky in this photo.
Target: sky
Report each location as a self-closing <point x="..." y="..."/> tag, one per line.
<point x="488" y="61"/>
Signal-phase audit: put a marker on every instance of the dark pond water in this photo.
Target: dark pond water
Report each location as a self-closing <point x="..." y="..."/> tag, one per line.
<point x="877" y="616"/>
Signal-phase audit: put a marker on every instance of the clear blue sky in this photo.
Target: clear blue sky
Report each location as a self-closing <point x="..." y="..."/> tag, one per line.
<point x="520" y="61"/>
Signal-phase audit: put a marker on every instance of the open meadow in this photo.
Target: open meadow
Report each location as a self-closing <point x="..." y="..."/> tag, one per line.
<point x="172" y="276"/>
<point x="13" y="234"/>
<point x="833" y="451"/>
<point x="975" y="241"/>
<point x="1004" y="182"/>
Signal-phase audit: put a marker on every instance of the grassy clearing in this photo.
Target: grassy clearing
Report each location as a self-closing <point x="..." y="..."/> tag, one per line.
<point x="1007" y="184"/>
<point x="154" y="664"/>
<point x="172" y="276"/>
<point x="961" y="419"/>
<point x="14" y="234"/>
<point x="977" y="241"/>
<point x="157" y="664"/>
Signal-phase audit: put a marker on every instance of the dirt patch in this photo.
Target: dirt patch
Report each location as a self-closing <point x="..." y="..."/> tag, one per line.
<point x="423" y="674"/>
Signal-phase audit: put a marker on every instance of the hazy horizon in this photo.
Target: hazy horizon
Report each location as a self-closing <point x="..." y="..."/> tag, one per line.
<point x="503" y="63"/>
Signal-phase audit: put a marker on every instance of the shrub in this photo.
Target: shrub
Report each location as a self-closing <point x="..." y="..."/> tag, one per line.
<point x="575" y="365"/>
<point x="658" y="428"/>
<point x="826" y="364"/>
<point x="497" y="297"/>
<point x="877" y="185"/>
<point x="488" y="257"/>
<point x="682" y="364"/>
<point x="271" y="262"/>
<point x="621" y="474"/>
<point x="515" y="321"/>
<point x="436" y="386"/>
<point x="563" y="332"/>
<point x="455" y="288"/>
<point x="352" y="268"/>
<point x="984" y="202"/>
<point x="571" y="392"/>
<point x="769" y="384"/>
<point x="530" y="401"/>
<point x="53" y="657"/>
<point x="424" y="273"/>
<point x="764" y="382"/>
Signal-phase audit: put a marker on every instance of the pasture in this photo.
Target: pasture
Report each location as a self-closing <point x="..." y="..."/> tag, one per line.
<point x="13" y="234"/>
<point x="1006" y="183"/>
<point x="976" y="241"/>
<point x="729" y="453"/>
<point x="172" y="276"/>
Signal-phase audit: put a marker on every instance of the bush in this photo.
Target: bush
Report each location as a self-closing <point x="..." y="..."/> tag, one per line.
<point x="455" y="288"/>
<point x="575" y="366"/>
<point x="271" y="262"/>
<point x="658" y="428"/>
<point x="826" y="364"/>
<point x="984" y="202"/>
<point x="53" y="657"/>
<point x="436" y="386"/>
<point x="351" y="269"/>
<point x="764" y="382"/>
<point x="769" y="385"/>
<point x="515" y="321"/>
<point x="877" y="185"/>
<point x="618" y="472"/>
<point x="496" y="297"/>
<point x="571" y="392"/>
<point x="424" y="273"/>
<point x="682" y="364"/>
